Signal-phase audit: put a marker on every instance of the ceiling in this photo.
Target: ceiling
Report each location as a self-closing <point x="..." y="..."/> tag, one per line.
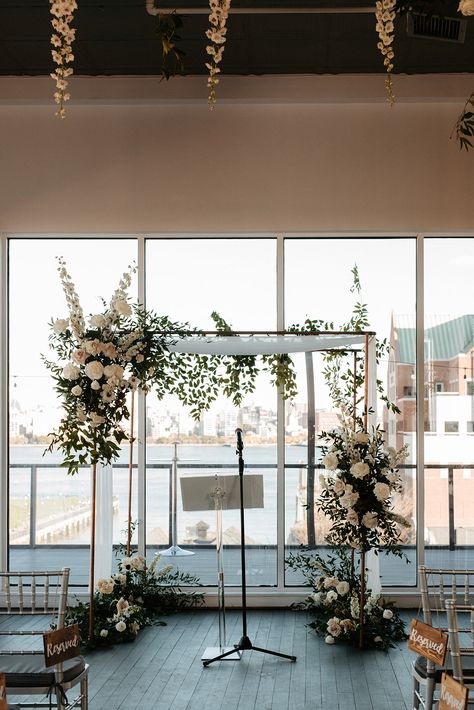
<point x="118" y="37"/>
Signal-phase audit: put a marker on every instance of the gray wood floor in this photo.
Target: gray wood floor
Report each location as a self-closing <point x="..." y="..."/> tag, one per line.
<point x="162" y="669"/>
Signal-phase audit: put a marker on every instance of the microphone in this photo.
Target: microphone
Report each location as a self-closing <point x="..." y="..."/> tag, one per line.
<point x="240" y="443"/>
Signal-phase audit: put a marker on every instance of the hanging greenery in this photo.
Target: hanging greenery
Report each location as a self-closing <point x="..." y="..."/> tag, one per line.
<point x="167" y="30"/>
<point x="61" y="40"/>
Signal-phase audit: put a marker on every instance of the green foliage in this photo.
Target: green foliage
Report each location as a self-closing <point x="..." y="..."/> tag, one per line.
<point x="168" y="26"/>
<point x="464" y="128"/>
<point x="131" y="600"/>
<point x="335" y="601"/>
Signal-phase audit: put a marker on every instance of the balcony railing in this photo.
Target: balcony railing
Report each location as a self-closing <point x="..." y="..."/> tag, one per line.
<point x="33" y="527"/>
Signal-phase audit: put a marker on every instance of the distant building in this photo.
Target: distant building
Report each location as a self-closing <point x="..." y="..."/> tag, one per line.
<point x="448" y="405"/>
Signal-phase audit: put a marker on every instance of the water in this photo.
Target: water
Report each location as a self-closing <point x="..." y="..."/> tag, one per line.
<point x="261" y="524"/>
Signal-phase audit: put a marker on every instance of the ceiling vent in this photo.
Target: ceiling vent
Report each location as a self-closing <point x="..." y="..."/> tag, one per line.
<point x="447" y="29"/>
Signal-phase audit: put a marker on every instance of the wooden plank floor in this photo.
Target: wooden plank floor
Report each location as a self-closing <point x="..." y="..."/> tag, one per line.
<point x="162" y="669"/>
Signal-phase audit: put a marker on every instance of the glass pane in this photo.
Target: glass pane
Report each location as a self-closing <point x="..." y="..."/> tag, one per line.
<point x="318" y="282"/>
<point x="188" y="279"/>
<point x="448" y="402"/>
<point x="49" y="511"/>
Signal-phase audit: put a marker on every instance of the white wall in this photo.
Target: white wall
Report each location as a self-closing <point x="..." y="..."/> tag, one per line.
<point x="305" y="157"/>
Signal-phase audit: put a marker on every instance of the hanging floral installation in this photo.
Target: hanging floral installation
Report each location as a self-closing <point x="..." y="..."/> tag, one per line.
<point x="61" y="40"/>
<point x="217" y="36"/>
<point x="385" y="15"/>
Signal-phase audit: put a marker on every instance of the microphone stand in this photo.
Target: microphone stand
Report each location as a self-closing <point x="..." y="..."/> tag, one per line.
<point x="245" y="643"/>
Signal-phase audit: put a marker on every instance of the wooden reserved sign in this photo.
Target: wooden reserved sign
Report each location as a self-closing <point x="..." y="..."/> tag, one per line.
<point x="428" y="642"/>
<point x="60" y="645"/>
<point x="453" y="695"/>
<point x="3" y="692"/>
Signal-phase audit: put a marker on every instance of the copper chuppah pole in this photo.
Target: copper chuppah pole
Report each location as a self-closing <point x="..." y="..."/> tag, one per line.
<point x="361" y="601"/>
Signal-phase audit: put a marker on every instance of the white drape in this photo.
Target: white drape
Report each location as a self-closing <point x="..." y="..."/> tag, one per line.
<point x="261" y="344"/>
<point x="103" y="522"/>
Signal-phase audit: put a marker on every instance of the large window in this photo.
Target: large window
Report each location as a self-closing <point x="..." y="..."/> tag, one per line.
<point x="448" y="402"/>
<point x="49" y="511"/>
<point x="254" y="283"/>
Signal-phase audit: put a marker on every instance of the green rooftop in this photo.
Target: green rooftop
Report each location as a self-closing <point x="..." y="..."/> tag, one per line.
<point x="442" y="342"/>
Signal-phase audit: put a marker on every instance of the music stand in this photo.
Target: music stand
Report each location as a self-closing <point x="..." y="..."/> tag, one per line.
<point x="245" y="644"/>
<point x="220" y="493"/>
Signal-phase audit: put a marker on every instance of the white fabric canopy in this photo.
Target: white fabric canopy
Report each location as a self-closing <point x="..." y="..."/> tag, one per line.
<point x="261" y="344"/>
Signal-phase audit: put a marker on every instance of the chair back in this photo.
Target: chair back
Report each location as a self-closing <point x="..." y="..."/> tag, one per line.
<point x="462" y="656"/>
<point x="437" y="586"/>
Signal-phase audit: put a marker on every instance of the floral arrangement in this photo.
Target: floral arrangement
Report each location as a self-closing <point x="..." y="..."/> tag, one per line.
<point x="61" y="40"/>
<point x="217" y="36"/>
<point x="336" y="598"/>
<point x="131" y="600"/>
<point x="361" y="476"/>
<point x="385" y="15"/>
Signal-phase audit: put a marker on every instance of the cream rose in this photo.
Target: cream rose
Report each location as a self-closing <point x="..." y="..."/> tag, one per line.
<point x="331" y="462"/>
<point x="71" y="371"/>
<point x="360" y="437"/>
<point x="370" y="520"/>
<point x="330" y="582"/>
<point x="387" y="614"/>
<point x="342" y="588"/>
<point x="109" y="350"/>
<point x="122" y="605"/>
<point x="80" y="356"/>
<point x="339" y="487"/>
<point x="94" y="370"/>
<point x="98" y="321"/>
<point x="113" y="371"/>
<point x="331" y="596"/>
<point x="352" y="517"/>
<point x="349" y="499"/>
<point x="359" y="470"/>
<point x="105" y="586"/>
<point x="329" y="639"/>
<point x="334" y="626"/>
<point x="466" y="7"/>
<point x="381" y="491"/>
<point x="122" y="308"/>
<point x="76" y="390"/>
<point x="104" y="633"/>
<point x="121" y="626"/>
<point x="60" y="325"/>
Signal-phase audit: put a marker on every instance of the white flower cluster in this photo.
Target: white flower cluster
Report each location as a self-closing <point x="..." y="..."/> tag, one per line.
<point x="466" y="7"/>
<point x="76" y="314"/>
<point x="217" y="35"/>
<point x="385" y="15"/>
<point x="62" y="39"/>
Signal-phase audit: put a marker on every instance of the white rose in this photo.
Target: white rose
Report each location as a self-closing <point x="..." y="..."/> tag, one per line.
<point x="60" y="325"/>
<point x="113" y="371"/>
<point x="370" y="520"/>
<point x="381" y="491"/>
<point x="93" y="347"/>
<point x="331" y="462"/>
<point x="121" y="626"/>
<point x="359" y="470"/>
<point x="98" y="321"/>
<point x="104" y="633"/>
<point x="329" y="639"/>
<point x="76" y="390"/>
<point x="331" y="597"/>
<point x="342" y="588"/>
<point x="466" y="7"/>
<point x="122" y="308"/>
<point x="339" y="487"/>
<point x="94" y="370"/>
<point x="360" y="437"/>
<point x="334" y="626"/>
<point x="71" y="372"/>
<point x="95" y="385"/>
<point x="96" y="420"/>
<point x="378" y="639"/>
<point x="109" y="350"/>
<point x="388" y="614"/>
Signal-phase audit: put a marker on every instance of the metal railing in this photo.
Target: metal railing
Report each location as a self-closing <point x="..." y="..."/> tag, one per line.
<point x="34" y="468"/>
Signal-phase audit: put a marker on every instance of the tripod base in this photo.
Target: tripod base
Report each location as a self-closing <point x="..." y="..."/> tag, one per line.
<point x="245" y="644"/>
<point x="213" y="651"/>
